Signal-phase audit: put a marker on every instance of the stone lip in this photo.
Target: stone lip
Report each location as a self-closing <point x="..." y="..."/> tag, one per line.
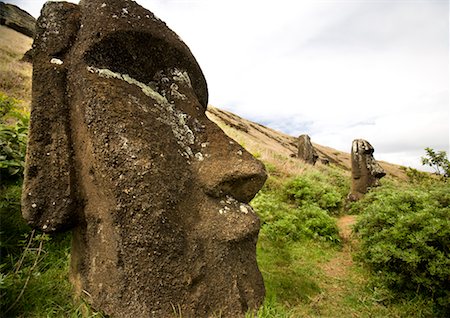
<point x="17" y="19"/>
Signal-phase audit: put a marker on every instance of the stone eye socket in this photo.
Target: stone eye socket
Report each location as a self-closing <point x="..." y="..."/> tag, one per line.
<point x="139" y="55"/>
<point x="143" y="55"/>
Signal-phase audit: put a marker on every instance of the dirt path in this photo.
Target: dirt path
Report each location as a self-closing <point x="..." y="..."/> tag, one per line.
<point x="337" y="271"/>
<point x="338" y="266"/>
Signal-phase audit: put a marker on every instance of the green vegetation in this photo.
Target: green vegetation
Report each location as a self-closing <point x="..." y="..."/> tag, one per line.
<point x="402" y="244"/>
<point x="402" y="247"/>
<point x="438" y="161"/>
<point x="13" y="137"/>
<point x="33" y="267"/>
<point x="405" y="241"/>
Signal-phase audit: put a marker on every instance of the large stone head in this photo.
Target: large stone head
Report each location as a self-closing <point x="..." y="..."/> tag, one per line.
<point x="306" y="151"/>
<point x="366" y="172"/>
<point x="121" y="151"/>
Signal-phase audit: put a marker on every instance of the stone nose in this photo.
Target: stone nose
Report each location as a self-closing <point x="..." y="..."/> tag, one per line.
<point x="379" y="172"/>
<point x="229" y="169"/>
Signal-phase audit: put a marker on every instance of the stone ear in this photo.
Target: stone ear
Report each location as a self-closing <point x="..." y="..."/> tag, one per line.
<point x="48" y="197"/>
<point x="48" y="190"/>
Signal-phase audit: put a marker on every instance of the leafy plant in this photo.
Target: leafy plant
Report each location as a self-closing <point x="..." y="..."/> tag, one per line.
<point x="13" y="138"/>
<point x="314" y="189"/>
<point x="405" y="241"/>
<point x="438" y="161"/>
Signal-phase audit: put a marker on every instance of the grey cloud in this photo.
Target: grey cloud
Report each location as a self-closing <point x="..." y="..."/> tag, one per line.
<point x="384" y="24"/>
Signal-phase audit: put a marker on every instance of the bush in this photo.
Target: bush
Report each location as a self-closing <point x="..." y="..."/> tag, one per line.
<point x="283" y="222"/>
<point x="314" y="189"/>
<point x="13" y="138"/>
<point x="405" y="241"/>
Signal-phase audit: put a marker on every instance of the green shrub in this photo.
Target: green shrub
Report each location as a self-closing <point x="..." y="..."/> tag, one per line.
<point x="283" y="222"/>
<point x="417" y="177"/>
<point x="405" y="241"/>
<point x="13" y="138"/>
<point x="314" y="188"/>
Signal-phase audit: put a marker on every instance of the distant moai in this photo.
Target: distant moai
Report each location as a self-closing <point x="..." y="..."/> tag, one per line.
<point x="121" y="152"/>
<point x="366" y="172"/>
<point x="306" y="151"/>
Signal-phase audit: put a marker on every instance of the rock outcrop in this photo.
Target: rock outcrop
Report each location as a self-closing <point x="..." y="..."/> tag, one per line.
<point x="17" y="19"/>
<point x="121" y="152"/>
<point x="306" y="151"/>
<point x="366" y="172"/>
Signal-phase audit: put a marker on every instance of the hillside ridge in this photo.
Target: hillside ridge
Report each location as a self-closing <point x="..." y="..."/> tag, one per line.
<point x="267" y="142"/>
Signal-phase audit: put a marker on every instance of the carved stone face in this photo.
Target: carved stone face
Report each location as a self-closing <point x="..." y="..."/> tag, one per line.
<point x="306" y="151"/>
<point x="156" y="193"/>
<point x="366" y="172"/>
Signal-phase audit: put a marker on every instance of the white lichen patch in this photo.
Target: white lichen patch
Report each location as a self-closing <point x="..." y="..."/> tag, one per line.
<point x="199" y="156"/>
<point x="243" y="208"/>
<point x="56" y="61"/>
<point x="231" y="204"/>
<point x="176" y="119"/>
<point x="49" y="22"/>
<point x="175" y="93"/>
<point x="181" y="77"/>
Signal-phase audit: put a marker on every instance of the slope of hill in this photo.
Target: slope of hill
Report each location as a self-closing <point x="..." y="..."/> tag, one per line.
<point x="15" y="75"/>
<point x="17" y="19"/>
<point x="272" y="146"/>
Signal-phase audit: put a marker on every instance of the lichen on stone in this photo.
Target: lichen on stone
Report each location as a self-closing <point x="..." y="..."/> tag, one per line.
<point x="176" y="119"/>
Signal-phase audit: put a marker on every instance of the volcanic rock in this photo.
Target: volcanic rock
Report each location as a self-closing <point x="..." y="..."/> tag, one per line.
<point x="306" y="151"/>
<point x="121" y="152"/>
<point x="366" y="172"/>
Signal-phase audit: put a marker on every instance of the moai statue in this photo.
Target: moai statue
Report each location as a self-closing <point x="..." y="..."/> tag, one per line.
<point x="121" y="152"/>
<point x="306" y="151"/>
<point x="366" y="172"/>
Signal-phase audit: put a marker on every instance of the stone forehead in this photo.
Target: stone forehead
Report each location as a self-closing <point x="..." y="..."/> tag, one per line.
<point x="361" y="145"/>
<point x="125" y="22"/>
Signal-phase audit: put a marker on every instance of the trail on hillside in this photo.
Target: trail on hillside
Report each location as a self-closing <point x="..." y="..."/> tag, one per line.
<point x="337" y="271"/>
<point x="338" y="266"/>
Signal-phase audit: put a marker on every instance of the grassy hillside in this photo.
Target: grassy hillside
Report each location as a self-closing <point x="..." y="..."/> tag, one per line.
<point x="15" y="76"/>
<point x="314" y="264"/>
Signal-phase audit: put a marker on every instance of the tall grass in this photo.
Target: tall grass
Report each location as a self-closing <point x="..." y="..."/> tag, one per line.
<point x="15" y="75"/>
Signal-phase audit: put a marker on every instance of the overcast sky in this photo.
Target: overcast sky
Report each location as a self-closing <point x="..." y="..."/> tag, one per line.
<point x="336" y="70"/>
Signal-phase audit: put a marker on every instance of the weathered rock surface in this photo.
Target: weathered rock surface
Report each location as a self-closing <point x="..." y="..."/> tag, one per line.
<point x="306" y="151"/>
<point x="120" y="151"/>
<point x="366" y="172"/>
<point x="17" y="19"/>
